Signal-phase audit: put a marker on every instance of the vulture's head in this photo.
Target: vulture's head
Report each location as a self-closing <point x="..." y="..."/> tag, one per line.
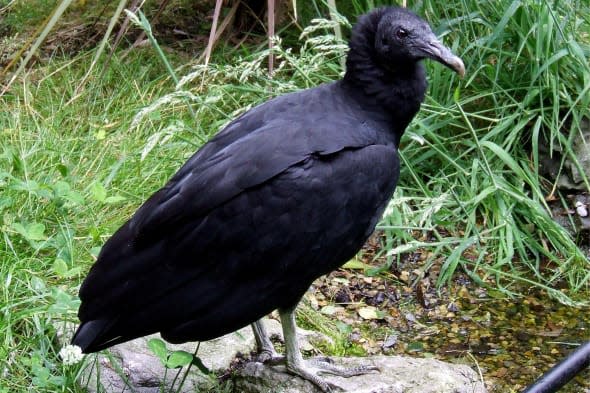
<point x="402" y="38"/>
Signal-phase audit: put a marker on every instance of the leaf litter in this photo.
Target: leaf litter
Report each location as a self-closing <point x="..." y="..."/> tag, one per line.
<point x="401" y="312"/>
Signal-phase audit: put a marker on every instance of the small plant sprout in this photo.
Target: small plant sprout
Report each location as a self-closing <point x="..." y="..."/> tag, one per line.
<point x="71" y="354"/>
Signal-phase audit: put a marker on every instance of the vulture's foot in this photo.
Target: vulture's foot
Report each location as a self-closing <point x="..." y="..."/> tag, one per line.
<point x="312" y="369"/>
<point x="310" y="373"/>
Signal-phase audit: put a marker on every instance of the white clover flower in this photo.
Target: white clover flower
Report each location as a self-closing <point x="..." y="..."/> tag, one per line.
<point x="71" y="354"/>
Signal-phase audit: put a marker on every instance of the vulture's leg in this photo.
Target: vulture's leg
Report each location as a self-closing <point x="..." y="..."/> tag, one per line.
<point x="294" y="360"/>
<point x="311" y="369"/>
<point x="266" y="351"/>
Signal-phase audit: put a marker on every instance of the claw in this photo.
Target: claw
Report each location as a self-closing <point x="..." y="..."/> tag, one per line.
<point x="326" y="366"/>
<point x="265" y="348"/>
<point x="309" y="370"/>
<point x="310" y="374"/>
<point x="267" y="357"/>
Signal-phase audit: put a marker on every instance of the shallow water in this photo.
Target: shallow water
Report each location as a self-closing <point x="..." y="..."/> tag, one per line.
<point x="510" y="341"/>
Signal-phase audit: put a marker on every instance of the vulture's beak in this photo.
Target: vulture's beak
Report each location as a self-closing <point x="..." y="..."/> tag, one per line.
<point x="435" y="50"/>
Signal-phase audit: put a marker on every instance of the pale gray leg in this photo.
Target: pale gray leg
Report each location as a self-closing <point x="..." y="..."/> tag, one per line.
<point x="265" y="348"/>
<point x="294" y="360"/>
<point x="310" y="369"/>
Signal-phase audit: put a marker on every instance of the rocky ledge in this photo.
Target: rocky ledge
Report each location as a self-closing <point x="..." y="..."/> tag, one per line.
<point x="132" y="367"/>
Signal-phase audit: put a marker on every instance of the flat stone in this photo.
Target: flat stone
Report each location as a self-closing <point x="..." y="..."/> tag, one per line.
<point x="131" y="367"/>
<point x="397" y="374"/>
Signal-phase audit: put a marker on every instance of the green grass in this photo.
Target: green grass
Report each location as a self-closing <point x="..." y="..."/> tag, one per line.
<point x="73" y="167"/>
<point x="55" y="161"/>
<point x="476" y="146"/>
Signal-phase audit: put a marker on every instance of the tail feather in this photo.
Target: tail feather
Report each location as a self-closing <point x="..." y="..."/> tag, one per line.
<point x="90" y="335"/>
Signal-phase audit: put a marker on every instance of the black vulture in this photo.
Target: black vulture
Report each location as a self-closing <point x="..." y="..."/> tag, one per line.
<point x="287" y="192"/>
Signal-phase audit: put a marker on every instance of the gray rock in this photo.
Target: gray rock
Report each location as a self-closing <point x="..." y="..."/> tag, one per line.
<point x="397" y="375"/>
<point x="582" y="216"/>
<point x="131" y="367"/>
<point x="569" y="176"/>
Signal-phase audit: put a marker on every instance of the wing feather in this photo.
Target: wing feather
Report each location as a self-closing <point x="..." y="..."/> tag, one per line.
<point x="215" y="223"/>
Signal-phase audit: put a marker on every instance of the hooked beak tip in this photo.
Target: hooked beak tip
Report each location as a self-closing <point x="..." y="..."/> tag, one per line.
<point x="457" y="65"/>
<point x="437" y="51"/>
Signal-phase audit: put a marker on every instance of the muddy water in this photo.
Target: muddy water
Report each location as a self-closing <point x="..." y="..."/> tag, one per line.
<point x="511" y="341"/>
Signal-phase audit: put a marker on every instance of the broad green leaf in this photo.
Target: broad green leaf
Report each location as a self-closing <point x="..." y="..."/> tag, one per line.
<point x="63" y="303"/>
<point x="19" y="228"/>
<point x="33" y="231"/>
<point x="179" y="359"/>
<point x="61" y="187"/>
<point x="74" y="197"/>
<point x="98" y="191"/>
<point x="158" y="347"/>
<point x="38" y="285"/>
<point x="62" y="169"/>
<point x="60" y="267"/>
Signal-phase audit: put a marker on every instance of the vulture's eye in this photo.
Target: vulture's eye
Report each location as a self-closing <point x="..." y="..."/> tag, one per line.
<point x="401" y="33"/>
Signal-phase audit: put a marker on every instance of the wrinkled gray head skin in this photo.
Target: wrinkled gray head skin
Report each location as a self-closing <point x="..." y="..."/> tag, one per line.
<point x="401" y="35"/>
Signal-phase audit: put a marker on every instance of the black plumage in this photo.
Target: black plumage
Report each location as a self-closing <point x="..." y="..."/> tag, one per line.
<point x="287" y="192"/>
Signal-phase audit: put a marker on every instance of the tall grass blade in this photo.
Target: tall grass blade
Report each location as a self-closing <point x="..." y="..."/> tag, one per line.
<point x="46" y="28"/>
